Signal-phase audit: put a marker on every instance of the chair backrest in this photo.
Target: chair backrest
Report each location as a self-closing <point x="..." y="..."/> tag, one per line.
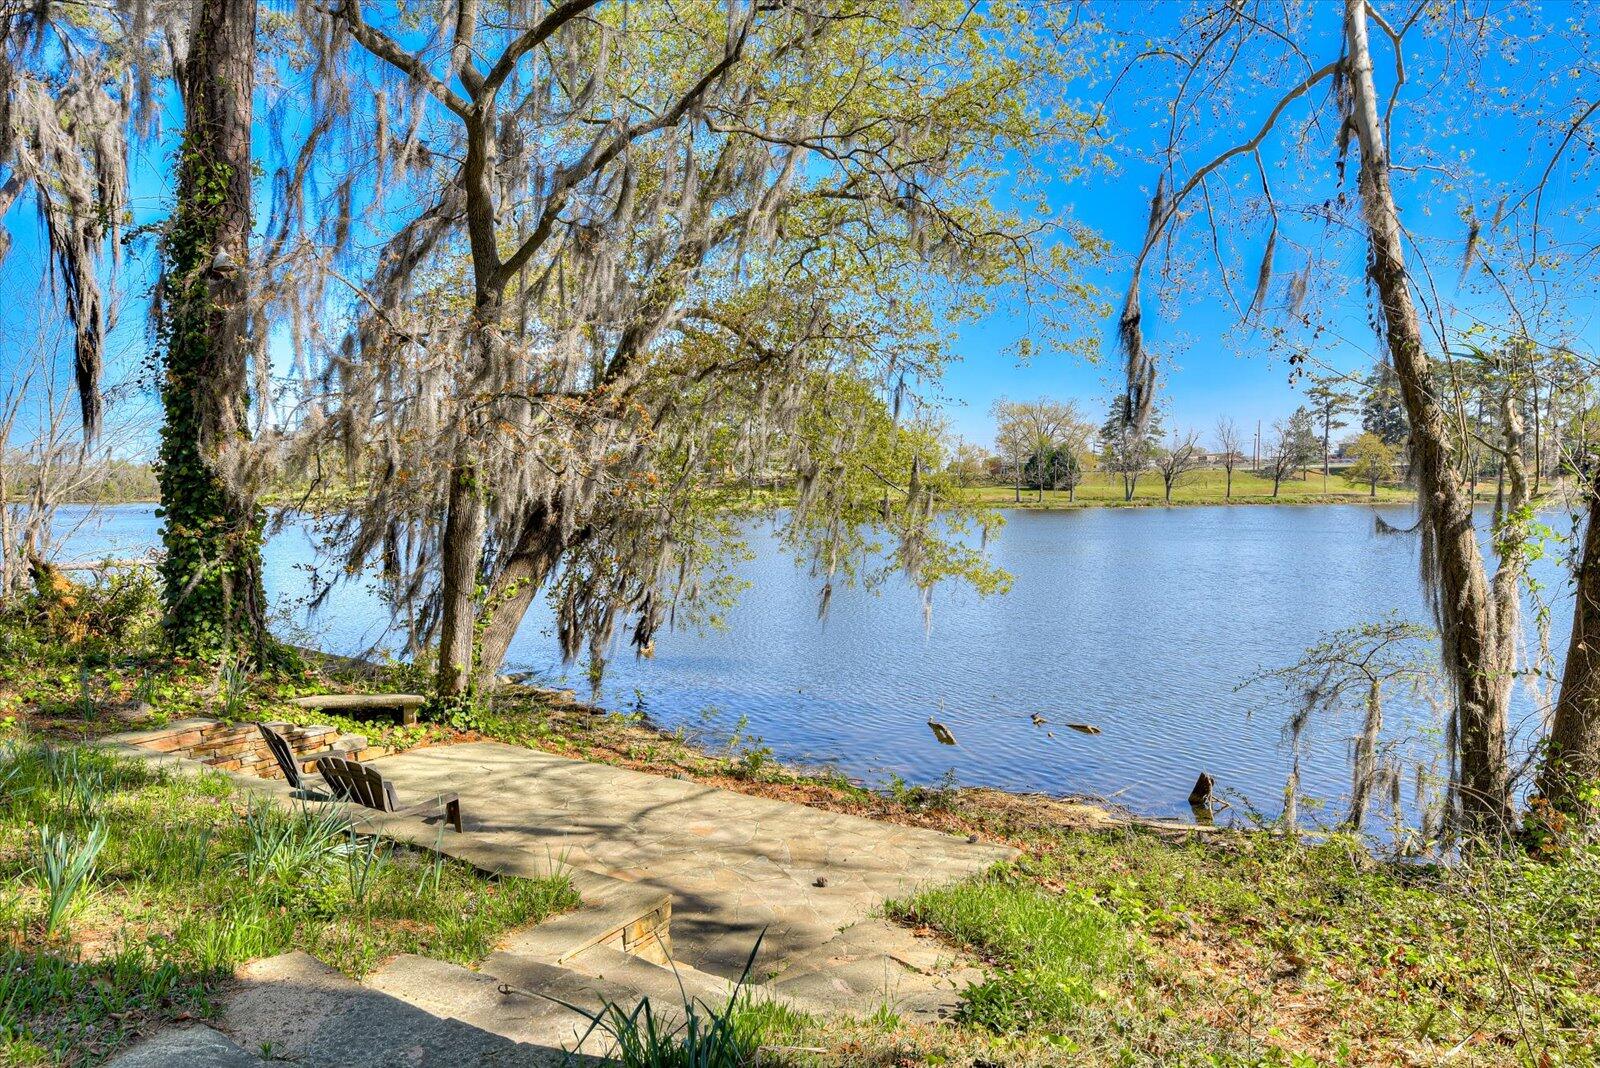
<point x="358" y="782"/>
<point x="282" y="754"/>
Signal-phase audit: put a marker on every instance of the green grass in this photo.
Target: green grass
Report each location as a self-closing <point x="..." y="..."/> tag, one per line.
<point x="1319" y="951"/>
<point x="1206" y="486"/>
<point x="194" y="879"/>
<point x="1054" y="952"/>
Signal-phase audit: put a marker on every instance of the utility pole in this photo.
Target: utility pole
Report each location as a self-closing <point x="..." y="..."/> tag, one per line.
<point x="1256" y="462"/>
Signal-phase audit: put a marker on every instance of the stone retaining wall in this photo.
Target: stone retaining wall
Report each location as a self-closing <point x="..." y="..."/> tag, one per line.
<point x="649" y="937"/>
<point x="240" y="746"/>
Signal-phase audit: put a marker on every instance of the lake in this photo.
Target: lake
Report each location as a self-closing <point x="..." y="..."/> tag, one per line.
<point x="1140" y="621"/>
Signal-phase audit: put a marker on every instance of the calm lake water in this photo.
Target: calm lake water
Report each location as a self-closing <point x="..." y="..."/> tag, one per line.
<point x="1140" y="621"/>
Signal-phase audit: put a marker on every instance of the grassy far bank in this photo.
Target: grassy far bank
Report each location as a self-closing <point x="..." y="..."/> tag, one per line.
<point x="1107" y="943"/>
<point x="1099" y="489"/>
<point x="1205" y="486"/>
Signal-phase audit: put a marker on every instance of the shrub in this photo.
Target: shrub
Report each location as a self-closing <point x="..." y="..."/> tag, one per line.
<point x="65" y="621"/>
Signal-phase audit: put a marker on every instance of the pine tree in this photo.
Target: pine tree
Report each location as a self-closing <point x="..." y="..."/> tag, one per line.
<point x="1383" y="411"/>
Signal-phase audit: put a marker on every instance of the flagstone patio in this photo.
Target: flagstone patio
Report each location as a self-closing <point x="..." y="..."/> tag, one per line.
<point x="735" y="865"/>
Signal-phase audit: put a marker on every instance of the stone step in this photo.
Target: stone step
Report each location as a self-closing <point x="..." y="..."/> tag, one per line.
<point x="240" y="746"/>
<point x="548" y="1007"/>
<point x="298" y="1009"/>
<point x="877" y="963"/>
<point x="871" y="937"/>
<point x="178" y="734"/>
<point x="625" y="916"/>
<point x="626" y="980"/>
<point x="193" y="1047"/>
<point x="864" y="986"/>
<point x="670" y="985"/>
<point x="666" y="985"/>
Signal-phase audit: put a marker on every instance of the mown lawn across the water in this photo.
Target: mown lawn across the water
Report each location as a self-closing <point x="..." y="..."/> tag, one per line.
<point x="1205" y="486"/>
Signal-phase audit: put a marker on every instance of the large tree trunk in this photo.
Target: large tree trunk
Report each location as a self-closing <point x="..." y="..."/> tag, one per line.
<point x="530" y="562"/>
<point x="461" y="555"/>
<point x="466" y="515"/>
<point x="1477" y="665"/>
<point x="212" y="532"/>
<point x="1572" y="763"/>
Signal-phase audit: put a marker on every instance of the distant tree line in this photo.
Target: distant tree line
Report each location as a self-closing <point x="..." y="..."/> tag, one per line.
<point x="103" y="482"/>
<point x="1047" y="444"/>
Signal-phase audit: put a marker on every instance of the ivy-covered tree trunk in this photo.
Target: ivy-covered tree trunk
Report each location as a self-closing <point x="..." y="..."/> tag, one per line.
<point x="211" y="575"/>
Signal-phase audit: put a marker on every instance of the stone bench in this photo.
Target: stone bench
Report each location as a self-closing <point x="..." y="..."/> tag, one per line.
<point x="404" y="705"/>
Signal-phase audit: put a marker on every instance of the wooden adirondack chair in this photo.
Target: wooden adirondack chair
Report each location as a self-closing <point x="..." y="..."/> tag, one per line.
<point x="365" y="785"/>
<point x="284" y="755"/>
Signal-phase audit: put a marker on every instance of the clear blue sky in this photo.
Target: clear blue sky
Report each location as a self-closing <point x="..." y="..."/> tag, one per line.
<point x="1211" y="365"/>
<point x="1211" y="368"/>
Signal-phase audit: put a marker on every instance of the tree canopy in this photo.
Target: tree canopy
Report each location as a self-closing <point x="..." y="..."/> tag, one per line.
<point x="619" y="253"/>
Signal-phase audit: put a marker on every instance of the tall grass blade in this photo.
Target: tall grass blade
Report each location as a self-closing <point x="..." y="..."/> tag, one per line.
<point x="706" y="1038"/>
<point x="66" y="868"/>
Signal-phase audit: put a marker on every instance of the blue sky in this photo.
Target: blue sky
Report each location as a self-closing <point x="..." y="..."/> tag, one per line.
<point x="1211" y="367"/>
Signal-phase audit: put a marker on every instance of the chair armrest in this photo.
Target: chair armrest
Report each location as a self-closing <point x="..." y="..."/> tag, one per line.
<point x="451" y="803"/>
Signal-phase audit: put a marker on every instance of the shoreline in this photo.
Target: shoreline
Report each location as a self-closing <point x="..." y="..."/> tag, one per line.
<point x="1079" y="811"/>
<point x="1236" y="911"/>
<point x="273" y="504"/>
<point x="1310" y="501"/>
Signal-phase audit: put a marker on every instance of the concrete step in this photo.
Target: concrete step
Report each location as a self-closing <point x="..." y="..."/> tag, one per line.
<point x="864" y="986"/>
<point x="546" y="1007"/>
<point x="875" y="963"/>
<point x="873" y="938"/>
<point x="194" y="1047"/>
<point x="869" y="965"/>
<point x="666" y="985"/>
<point x="670" y="985"/>
<point x="602" y="979"/>
<point x="625" y="916"/>
<point x="295" y="1008"/>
